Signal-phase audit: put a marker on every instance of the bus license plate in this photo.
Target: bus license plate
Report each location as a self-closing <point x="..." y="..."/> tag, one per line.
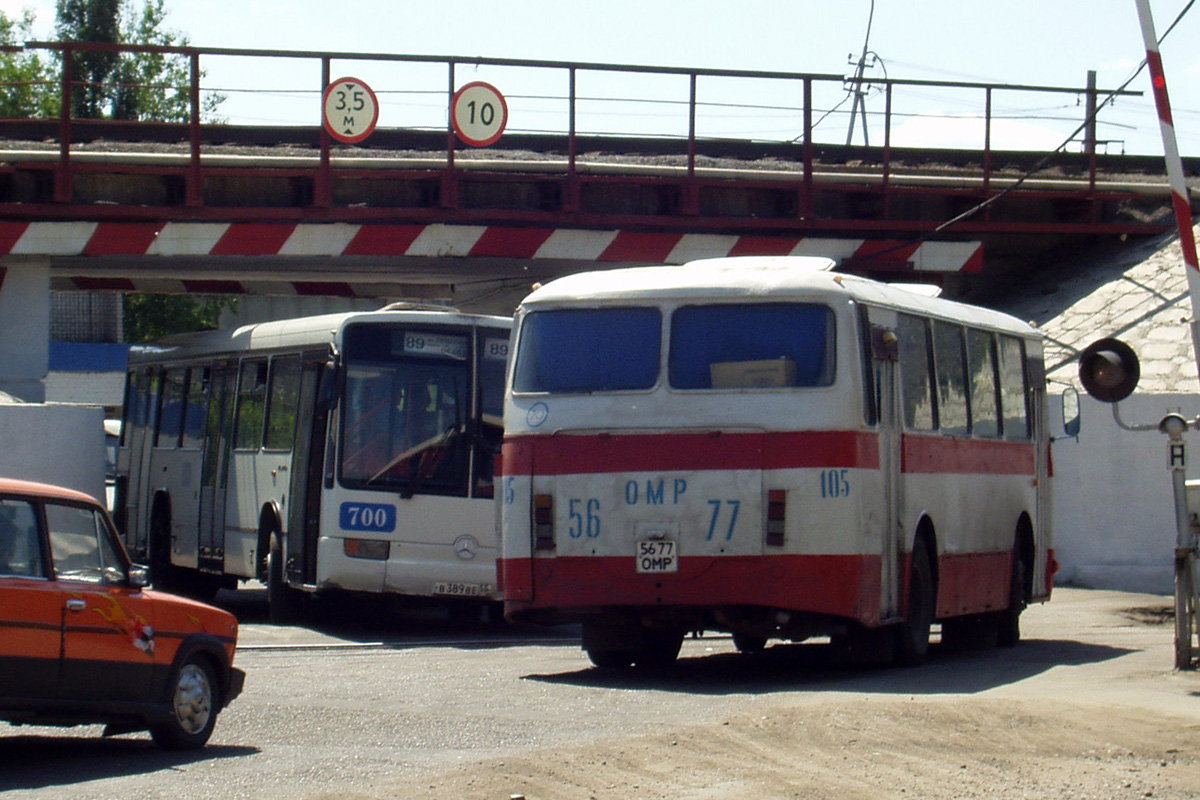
<point x="657" y="555"/>
<point x="462" y="589"/>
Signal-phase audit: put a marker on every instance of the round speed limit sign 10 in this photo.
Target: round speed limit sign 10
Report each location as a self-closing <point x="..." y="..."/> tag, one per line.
<point x="478" y="113"/>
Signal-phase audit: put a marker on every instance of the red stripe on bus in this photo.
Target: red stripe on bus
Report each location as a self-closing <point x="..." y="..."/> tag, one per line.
<point x="499" y="242"/>
<point x="572" y="455"/>
<point x="840" y="585"/>
<point x="972" y="583"/>
<point x="962" y="456"/>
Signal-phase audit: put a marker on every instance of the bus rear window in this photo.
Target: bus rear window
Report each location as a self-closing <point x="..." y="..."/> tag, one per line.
<point x="588" y="350"/>
<point x="762" y="345"/>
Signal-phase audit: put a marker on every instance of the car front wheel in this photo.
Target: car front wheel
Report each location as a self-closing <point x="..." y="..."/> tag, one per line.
<point x="195" y="701"/>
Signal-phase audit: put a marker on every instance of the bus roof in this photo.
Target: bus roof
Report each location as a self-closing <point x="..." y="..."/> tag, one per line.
<point x="755" y="277"/>
<point x="315" y="331"/>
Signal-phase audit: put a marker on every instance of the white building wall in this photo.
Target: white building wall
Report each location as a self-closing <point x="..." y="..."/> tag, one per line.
<point x="59" y="444"/>
<point x="1114" y="511"/>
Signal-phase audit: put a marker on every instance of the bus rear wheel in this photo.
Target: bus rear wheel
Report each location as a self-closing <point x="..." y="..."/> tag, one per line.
<point x="749" y="642"/>
<point x="1009" y="620"/>
<point x="659" y="649"/>
<point x="912" y="635"/>
<point x="611" y="659"/>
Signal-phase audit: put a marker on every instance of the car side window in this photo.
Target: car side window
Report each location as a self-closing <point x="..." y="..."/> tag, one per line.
<point x="81" y="547"/>
<point x="20" y="548"/>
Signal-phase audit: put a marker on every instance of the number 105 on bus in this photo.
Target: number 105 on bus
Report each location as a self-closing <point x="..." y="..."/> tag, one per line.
<point x="657" y="555"/>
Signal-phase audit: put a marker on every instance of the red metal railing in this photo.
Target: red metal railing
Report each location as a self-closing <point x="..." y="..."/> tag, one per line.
<point x="814" y="160"/>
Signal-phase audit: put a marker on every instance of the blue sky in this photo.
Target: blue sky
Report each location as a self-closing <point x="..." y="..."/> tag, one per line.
<point x="1016" y="42"/>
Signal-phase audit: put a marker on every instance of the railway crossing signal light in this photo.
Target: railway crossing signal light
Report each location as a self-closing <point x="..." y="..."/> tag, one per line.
<point x="1109" y="370"/>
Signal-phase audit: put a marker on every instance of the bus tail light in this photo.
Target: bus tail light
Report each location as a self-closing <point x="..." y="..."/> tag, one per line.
<point x="776" y="516"/>
<point x="543" y="522"/>
<point x="372" y="549"/>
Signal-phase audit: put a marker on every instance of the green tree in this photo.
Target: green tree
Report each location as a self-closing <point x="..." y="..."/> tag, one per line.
<point x="149" y="86"/>
<point x="28" y="81"/>
<point x="149" y="316"/>
<point x="90" y="21"/>
<point x="129" y="85"/>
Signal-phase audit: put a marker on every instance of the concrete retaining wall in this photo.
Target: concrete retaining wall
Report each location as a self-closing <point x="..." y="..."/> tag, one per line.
<point x="1114" y="511"/>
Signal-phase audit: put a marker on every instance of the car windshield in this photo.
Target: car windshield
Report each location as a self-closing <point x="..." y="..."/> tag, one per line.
<point x="82" y="546"/>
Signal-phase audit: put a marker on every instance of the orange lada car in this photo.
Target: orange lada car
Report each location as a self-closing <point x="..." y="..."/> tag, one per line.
<point x="83" y="641"/>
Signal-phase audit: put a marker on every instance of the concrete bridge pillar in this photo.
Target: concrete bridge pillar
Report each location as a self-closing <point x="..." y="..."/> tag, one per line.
<point x="25" y="329"/>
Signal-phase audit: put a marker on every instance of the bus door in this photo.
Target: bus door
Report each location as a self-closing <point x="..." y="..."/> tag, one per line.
<point x="884" y="374"/>
<point x="215" y="472"/>
<point x="134" y="521"/>
<point x="308" y="461"/>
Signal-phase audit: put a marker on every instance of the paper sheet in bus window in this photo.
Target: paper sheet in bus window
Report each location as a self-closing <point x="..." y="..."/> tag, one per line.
<point x="771" y="373"/>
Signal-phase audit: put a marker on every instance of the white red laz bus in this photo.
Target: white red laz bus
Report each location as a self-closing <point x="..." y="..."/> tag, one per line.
<point x="764" y="447"/>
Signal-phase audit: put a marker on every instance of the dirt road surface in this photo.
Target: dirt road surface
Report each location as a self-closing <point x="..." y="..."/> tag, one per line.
<point x="1088" y="706"/>
<point x="1110" y="720"/>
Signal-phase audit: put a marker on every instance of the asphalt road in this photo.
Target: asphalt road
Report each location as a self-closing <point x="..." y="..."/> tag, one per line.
<point x="370" y="703"/>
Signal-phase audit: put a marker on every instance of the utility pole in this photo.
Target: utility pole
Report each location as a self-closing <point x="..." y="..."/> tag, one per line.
<point x="1186" y="599"/>
<point x="860" y="96"/>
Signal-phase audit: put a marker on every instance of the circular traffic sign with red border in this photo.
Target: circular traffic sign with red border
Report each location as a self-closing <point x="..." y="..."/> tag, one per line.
<point x="478" y="113"/>
<point x="350" y="110"/>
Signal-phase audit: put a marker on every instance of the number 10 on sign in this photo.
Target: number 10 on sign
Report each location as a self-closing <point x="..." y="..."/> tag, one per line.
<point x="478" y="113"/>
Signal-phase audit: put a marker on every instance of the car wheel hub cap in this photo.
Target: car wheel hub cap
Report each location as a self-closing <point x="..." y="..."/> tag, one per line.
<point x="193" y="699"/>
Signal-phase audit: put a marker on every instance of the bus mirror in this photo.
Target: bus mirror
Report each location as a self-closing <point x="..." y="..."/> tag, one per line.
<point x="1109" y="370"/>
<point x="328" y="390"/>
<point x="1070" y="408"/>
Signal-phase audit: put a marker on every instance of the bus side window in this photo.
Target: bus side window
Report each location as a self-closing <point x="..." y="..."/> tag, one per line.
<point x="252" y="400"/>
<point x="981" y="369"/>
<point x="195" y="412"/>
<point x="1013" y="394"/>
<point x="950" y="359"/>
<point x="919" y="411"/>
<point x="283" y="397"/>
<point x="170" y="415"/>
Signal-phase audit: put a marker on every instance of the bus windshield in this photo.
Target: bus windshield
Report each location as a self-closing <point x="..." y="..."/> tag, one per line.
<point x="406" y="403"/>
<point x="589" y="350"/>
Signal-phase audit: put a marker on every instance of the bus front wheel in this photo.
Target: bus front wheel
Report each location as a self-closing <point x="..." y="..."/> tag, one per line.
<point x="282" y="603"/>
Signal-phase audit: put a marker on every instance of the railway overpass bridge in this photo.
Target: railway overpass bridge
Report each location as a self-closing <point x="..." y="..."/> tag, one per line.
<point x="413" y="212"/>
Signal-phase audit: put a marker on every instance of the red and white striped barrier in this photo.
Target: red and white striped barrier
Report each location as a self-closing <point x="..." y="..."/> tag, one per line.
<point x="450" y="241"/>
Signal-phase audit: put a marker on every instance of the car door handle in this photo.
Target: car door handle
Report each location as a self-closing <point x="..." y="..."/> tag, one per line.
<point x="76" y="605"/>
